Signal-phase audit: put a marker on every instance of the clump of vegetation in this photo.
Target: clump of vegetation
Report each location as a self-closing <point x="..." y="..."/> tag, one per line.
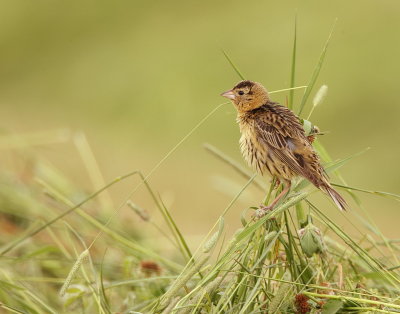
<point x="296" y="259"/>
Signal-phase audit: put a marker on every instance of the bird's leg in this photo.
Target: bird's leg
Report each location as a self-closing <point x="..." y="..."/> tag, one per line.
<point x="264" y="209"/>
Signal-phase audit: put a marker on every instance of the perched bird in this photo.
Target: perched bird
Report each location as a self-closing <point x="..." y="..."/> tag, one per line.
<point x="273" y="140"/>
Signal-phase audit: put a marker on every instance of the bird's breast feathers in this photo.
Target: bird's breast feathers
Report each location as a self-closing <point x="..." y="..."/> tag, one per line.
<point x="264" y="151"/>
<point x="253" y="152"/>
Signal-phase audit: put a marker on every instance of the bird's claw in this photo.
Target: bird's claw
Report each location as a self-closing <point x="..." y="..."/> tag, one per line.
<point x="262" y="211"/>
<point x="277" y="183"/>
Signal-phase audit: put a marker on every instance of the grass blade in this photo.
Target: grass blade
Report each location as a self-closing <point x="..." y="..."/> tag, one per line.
<point x="65" y="213"/>
<point x="293" y="66"/>
<point x="315" y="74"/>
<point x="233" y="65"/>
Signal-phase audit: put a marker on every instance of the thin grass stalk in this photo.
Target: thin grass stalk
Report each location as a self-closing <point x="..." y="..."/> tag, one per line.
<point x="347" y="298"/>
<point x="249" y="232"/>
<point x="65" y="213"/>
<point x="170" y="308"/>
<point x="45" y="306"/>
<point x="270" y="190"/>
<point x="318" y="287"/>
<point x="155" y="168"/>
<point x="92" y="166"/>
<point x="103" y="296"/>
<point x="59" y="243"/>
<point x="233" y="65"/>
<point x="181" y="281"/>
<point x="93" y="285"/>
<point x="279" y="297"/>
<point x="249" y="304"/>
<point x="270" y="239"/>
<point x="211" y="275"/>
<point x="326" y="156"/>
<point x="377" y="193"/>
<point x="289" y="252"/>
<point x="234" y="164"/>
<point x="371" y="262"/>
<point x="359" y="309"/>
<point x="293" y="66"/>
<point x="179" y="239"/>
<point x="231" y="293"/>
<point x="279" y="209"/>
<point x="129" y="243"/>
<point x="177" y="232"/>
<point x="11" y="309"/>
<point x="315" y="74"/>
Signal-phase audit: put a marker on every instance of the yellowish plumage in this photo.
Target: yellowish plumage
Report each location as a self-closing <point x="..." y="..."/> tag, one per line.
<point x="273" y="140"/>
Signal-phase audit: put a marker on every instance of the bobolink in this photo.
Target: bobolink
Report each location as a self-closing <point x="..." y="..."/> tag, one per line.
<point x="273" y="139"/>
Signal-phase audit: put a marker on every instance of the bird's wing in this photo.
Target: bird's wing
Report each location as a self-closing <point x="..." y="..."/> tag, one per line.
<point x="276" y="129"/>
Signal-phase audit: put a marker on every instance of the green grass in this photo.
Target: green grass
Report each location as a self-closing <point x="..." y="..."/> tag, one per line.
<point x="62" y="252"/>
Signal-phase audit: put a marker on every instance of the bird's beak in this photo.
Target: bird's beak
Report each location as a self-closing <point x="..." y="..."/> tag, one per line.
<point x="229" y="94"/>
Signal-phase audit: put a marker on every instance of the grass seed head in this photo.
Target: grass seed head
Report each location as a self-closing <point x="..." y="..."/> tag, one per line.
<point x="301" y="304"/>
<point x="84" y="255"/>
<point x="149" y="268"/>
<point x="142" y="213"/>
<point x="320" y="95"/>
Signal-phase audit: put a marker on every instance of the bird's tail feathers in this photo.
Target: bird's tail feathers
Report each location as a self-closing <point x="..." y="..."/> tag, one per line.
<point x="335" y="196"/>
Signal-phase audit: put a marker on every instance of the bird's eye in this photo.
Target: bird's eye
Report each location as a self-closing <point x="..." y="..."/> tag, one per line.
<point x="241" y="92"/>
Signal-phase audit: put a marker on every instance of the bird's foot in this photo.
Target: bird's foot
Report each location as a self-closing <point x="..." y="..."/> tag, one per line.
<point x="277" y="183"/>
<point x="262" y="211"/>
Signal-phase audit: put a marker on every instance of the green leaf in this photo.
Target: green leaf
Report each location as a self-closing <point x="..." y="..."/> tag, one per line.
<point x="332" y="306"/>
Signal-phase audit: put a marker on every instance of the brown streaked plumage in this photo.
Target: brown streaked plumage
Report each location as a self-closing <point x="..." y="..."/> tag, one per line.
<point x="273" y="140"/>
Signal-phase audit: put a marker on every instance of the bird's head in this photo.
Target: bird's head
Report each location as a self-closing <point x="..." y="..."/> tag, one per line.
<point x="247" y="95"/>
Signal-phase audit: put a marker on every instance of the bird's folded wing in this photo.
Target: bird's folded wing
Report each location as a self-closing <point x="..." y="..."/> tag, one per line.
<point x="276" y="139"/>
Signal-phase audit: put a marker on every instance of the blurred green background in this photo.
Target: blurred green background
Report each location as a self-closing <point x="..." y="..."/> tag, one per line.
<point x="136" y="76"/>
